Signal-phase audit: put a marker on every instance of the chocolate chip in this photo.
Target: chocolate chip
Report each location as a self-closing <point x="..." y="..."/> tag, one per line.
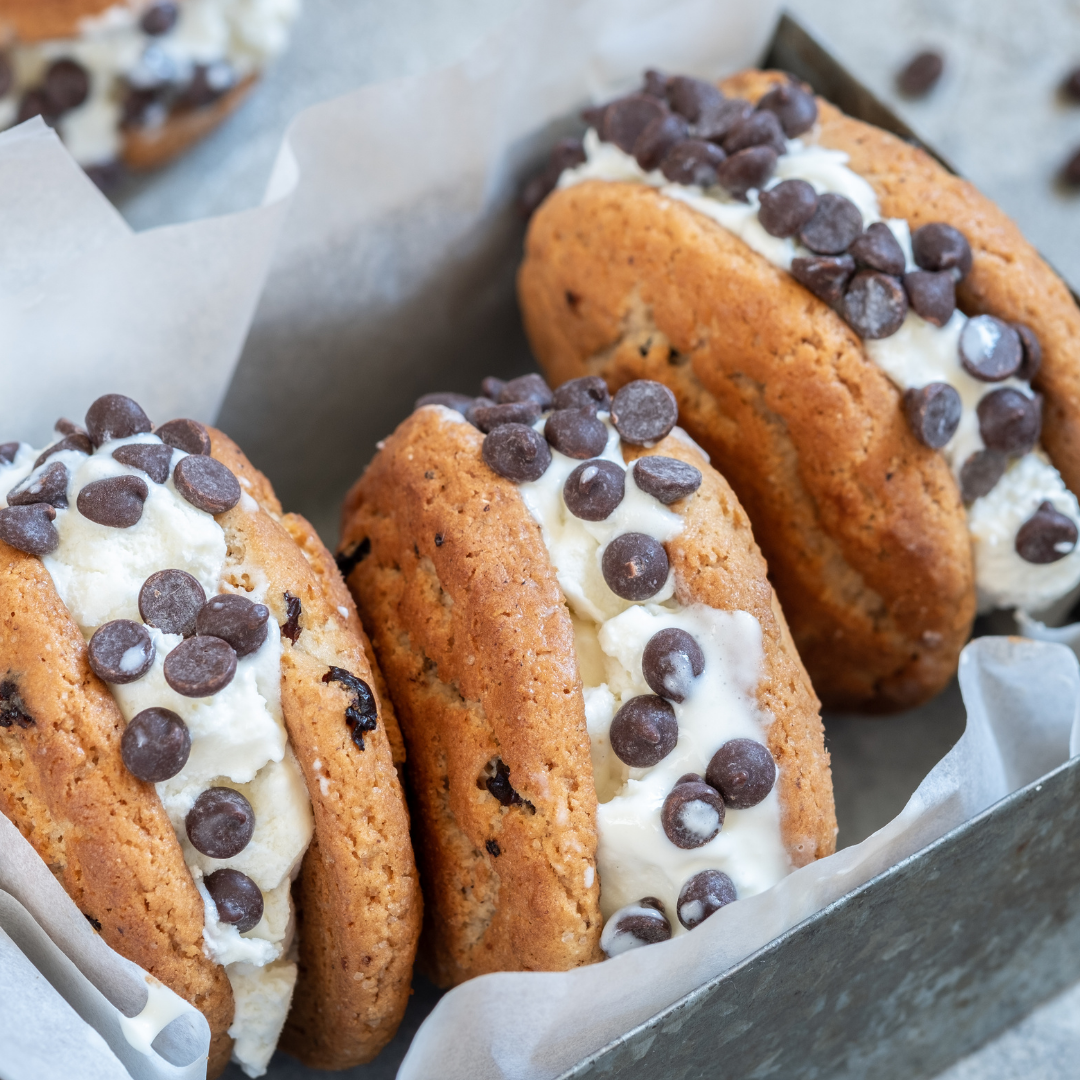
<point x="938" y="246"/>
<point x="116" y="501"/>
<point x="670" y="662"/>
<point x="837" y="221"/>
<point x="565" y="154"/>
<point x="653" y="144"/>
<point x="206" y="484"/>
<point x="234" y="619"/>
<point x="170" y="601"/>
<point x="693" y="162"/>
<point x="757" y="129"/>
<point x="932" y="294"/>
<point x="644" y="731"/>
<point x="743" y="771"/>
<point x="1070" y="85"/>
<point x="656" y="84"/>
<point x="625" y="119"/>
<point x="49" y="486"/>
<point x="457" y="402"/>
<point x="796" y="108"/>
<point x="878" y="249"/>
<point x="594" y="489"/>
<point x="29" y="528"/>
<point x="187" y="435"/>
<point x="221" y="823"/>
<point x="933" y="411"/>
<point x="489" y="417"/>
<point x="1029" y="343"/>
<point x="200" y="667"/>
<point x="990" y="349"/>
<point x="153" y="459"/>
<point x="714" y="122"/>
<point x="492" y="387"/>
<point x="239" y="901"/>
<point x="493" y="848"/>
<point x="786" y="208"/>
<point x="114" y="416"/>
<point x="67" y="84"/>
<point x="120" y="651"/>
<point x="527" y="388"/>
<point x="12" y="707"/>
<point x="980" y="473"/>
<point x="634" y="926"/>
<point x="1070" y="171"/>
<point x="635" y="566"/>
<point x="826" y="276"/>
<point x="666" y="479"/>
<point x="78" y="441"/>
<point x="691" y="98"/>
<point x="516" y="452"/>
<point x="874" y="304"/>
<point x="36" y="103"/>
<point x="692" y="814"/>
<point x="644" y="412"/>
<point x="705" y="893"/>
<point x="920" y="74"/>
<point x="362" y="712"/>
<point x="1046" y="536"/>
<point x="69" y="427"/>
<point x="290" y="628"/>
<point x="159" y="18"/>
<point x="577" y="433"/>
<point x="498" y="784"/>
<point x="746" y="170"/>
<point x="477" y="403"/>
<point x="8" y="451"/>
<point x="155" y="745"/>
<point x="347" y="561"/>
<point x="577" y="393"/>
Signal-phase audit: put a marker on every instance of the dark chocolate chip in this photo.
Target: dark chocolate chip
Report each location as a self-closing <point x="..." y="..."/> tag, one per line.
<point x="656" y="84"/>
<point x="206" y="484"/>
<point x="221" y="823"/>
<point x="8" y="451"/>
<point x="577" y="433"/>
<point x="207" y="83"/>
<point x="1070" y="85"/>
<point x="120" y="651"/>
<point x="116" y="501"/>
<point x="653" y="902"/>
<point x="693" y="162"/>
<point x="67" y="85"/>
<point x="76" y="440"/>
<point x="457" y="402"/>
<point x="662" y="134"/>
<point x="625" y="119"/>
<point x="200" y="666"/>
<point x="565" y="154"/>
<point x="159" y="18"/>
<point x="990" y="349"/>
<point x="644" y="731"/>
<point x="746" y="170"/>
<point x="234" y="619"/>
<point x="239" y="901"/>
<point x="187" y="435"/>
<point x="493" y="848"/>
<point x="837" y="221"/>
<point x="826" y="276"/>
<point x="718" y="119"/>
<point x="692" y="98"/>
<point x="155" y="745"/>
<point x="29" y="528"/>
<point x="36" y="103"/>
<point x="666" y="479"/>
<point x="933" y="411"/>
<point x="170" y="600"/>
<point x="69" y="427"/>
<point x="577" y="393"/>
<point x="878" y="249"/>
<point x="594" y="489"/>
<point x="743" y="771"/>
<point x="920" y="74"/>
<point x="492" y="387"/>
<point x="498" y="784"/>
<point x="692" y="814"/>
<point x="290" y="628"/>
<point x="347" y="561"/>
<point x="874" y="304"/>
<point x="1070" y="171"/>
<point x="114" y="416"/>
<point x="631" y="930"/>
<point x="644" y="412"/>
<point x="95" y="923"/>
<point x="786" y="208"/>
<point x="477" y="403"/>
<point x="362" y="712"/>
<point x="758" y="129"/>
<point x="670" y="662"/>
<point x="527" y="388"/>
<point x="1046" y="536"/>
<point x="635" y="566"/>
<point x="1010" y="421"/>
<point x="12" y="707"/>
<point x="980" y="473"/>
<point x="48" y="486"/>
<point x="796" y="108"/>
<point x="516" y="452"/>
<point x="1029" y="366"/>
<point x="489" y="417"/>
<point x="932" y="294"/>
<point x="705" y="893"/>
<point x="154" y="459"/>
<point x="938" y="246"/>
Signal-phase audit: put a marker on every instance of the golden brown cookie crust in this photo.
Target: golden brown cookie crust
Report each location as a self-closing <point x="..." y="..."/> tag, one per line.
<point x="41" y="20"/>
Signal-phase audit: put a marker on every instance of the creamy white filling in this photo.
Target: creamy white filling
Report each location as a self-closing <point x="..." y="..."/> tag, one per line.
<point x="919" y="353"/>
<point x="635" y="857"/>
<point x="238" y="736"/>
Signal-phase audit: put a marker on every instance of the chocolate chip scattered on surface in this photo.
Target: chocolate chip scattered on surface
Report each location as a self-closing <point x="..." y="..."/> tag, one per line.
<point x="787" y="207"/>
<point x="980" y="473"/>
<point x="1009" y="420"/>
<point x="489" y="417"/>
<point x="200" y="666"/>
<point x="693" y="161"/>
<point x="796" y="109"/>
<point x="594" y="490"/>
<point x="920" y="74"/>
<point x="78" y="441"/>
<point x="874" y="304"/>
<point x="154" y="459"/>
<point x="49" y="486"/>
<point x="457" y="402"/>
<point x="530" y="387"/>
<point x="517" y="452"/>
<point x="644" y="411"/>
<point x="235" y="619"/>
<point x="743" y="771"/>
<point x="692" y="814"/>
<point x="29" y="529"/>
<point x="8" y="451"/>
<point x="644" y="731"/>
<point x="187" y="435"/>
<point x="666" y="479"/>
<point x="114" y="416"/>
<point x="221" y="823"/>
<point x="206" y="484"/>
<point x="826" y="276"/>
<point x="703" y="895"/>
<point x="155" y="745"/>
<point x="170" y="601"/>
<point x="1046" y="536"/>
<point x="116" y="502"/>
<point x="361" y="714"/>
<point x="878" y="249"/>
<point x="120" y="651"/>
<point x="670" y="662"/>
<point x="581" y="393"/>
<point x="990" y="349"/>
<point x="938" y="246"/>
<point x="635" y="566"/>
<point x="835" y="224"/>
<point x="933" y="413"/>
<point x="239" y="901"/>
<point x="290" y="629"/>
<point x="932" y="294"/>
<point x="577" y="433"/>
<point x="746" y="170"/>
<point x="1032" y="350"/>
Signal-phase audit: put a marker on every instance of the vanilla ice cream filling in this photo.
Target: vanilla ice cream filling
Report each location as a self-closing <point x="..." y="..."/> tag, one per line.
<point x="238" y="736"/>
<point x="231" y="38"/>
<point x="635" y="857"/>
<point x="918" y="354"/>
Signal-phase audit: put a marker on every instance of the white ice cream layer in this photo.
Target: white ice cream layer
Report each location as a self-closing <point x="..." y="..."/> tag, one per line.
<point x="635" y="857"/>
<point x="919" y="353"/>
<point x="238" y="736"/>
